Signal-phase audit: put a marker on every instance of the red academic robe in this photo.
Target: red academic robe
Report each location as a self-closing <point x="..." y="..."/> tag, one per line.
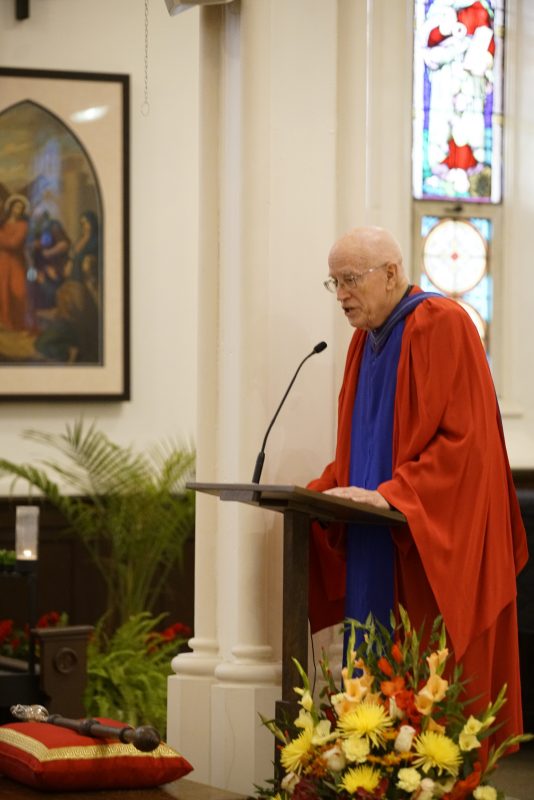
<point x="464" y="542"/>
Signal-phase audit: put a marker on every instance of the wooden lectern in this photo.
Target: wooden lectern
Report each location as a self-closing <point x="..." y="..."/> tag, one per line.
<point x="299" y="507"/>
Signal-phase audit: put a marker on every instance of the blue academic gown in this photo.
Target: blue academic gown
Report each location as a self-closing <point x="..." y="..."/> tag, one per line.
<point x="370" y="551"/>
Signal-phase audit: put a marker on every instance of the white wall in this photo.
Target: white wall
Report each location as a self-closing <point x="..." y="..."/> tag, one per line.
<point x="372" y="185"/>
<point x="104" y="36"/>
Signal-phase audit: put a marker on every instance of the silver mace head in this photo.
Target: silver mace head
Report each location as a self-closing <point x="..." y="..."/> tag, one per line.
<point x="29" y="713"/>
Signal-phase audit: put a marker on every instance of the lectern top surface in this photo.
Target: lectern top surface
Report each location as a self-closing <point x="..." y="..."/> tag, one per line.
<point x="316" y="505"/>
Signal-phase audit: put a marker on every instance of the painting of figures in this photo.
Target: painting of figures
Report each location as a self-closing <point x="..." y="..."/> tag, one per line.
<point x="63" y="235"/>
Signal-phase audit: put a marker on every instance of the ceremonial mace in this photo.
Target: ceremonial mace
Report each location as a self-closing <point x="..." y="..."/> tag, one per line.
<point x="144" y="738"/>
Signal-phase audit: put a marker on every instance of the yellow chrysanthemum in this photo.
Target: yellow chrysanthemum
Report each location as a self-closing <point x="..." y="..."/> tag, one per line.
<point x="364" y="777"/>
<point x="437" y="751"/>
<point x="355" y="748"/>
<point x="408" y="779"/>
<point x="366" y="719"/>
<point x="293" y="755"/>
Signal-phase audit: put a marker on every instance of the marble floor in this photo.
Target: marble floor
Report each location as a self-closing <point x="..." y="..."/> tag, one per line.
<point x="515" y="774"/>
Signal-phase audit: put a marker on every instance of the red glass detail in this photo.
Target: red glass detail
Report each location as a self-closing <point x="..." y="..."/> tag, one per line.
<point x="459" y="157"/>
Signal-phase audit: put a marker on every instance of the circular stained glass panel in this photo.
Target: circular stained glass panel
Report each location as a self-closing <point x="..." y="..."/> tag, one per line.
<point x="455" y="256"/>
<point x="480" y="325"/>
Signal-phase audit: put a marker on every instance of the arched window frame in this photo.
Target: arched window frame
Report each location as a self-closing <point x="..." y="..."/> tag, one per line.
<point x="459" y="209"/>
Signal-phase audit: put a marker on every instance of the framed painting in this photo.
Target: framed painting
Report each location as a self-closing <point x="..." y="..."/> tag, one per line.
<point x="64" y="236"/>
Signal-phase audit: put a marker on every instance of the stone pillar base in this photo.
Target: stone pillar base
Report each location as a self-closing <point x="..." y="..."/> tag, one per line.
<point x="188" y="721"/>
<point x="242" y="748"/>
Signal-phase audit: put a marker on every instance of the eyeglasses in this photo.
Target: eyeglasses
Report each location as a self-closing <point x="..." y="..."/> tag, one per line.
<point x="350" y="281"/>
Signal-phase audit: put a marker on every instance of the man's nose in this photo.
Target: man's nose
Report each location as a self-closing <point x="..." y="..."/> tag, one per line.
<point x="342" y="291"/>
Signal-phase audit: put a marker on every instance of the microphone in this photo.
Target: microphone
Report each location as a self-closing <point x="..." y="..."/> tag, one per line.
<point x="261" y="455"/>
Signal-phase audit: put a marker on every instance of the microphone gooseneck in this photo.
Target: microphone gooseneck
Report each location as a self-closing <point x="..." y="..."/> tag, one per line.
<point x="261" y="455"/>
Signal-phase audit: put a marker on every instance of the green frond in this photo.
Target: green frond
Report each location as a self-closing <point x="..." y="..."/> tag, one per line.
<point x="126" y="679"/>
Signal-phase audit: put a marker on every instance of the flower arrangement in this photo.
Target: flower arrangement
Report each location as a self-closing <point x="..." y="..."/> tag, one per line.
<point x="397" y="730"/>
<point x="15" y="640"/>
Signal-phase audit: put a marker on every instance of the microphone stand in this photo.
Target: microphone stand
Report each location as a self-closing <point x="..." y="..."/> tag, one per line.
<point x="261" y="455"/>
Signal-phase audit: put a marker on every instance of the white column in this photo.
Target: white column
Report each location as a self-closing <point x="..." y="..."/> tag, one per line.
<point x="232" y="673"/>
<point x="189" y="699"/>
<point x="248" y="676"/>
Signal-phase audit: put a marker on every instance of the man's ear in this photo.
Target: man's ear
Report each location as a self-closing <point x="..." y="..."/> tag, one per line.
<point x="392" y="275"/>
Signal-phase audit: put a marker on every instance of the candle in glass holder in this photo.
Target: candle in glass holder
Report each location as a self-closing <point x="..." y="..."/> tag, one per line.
<point x="27" y="533"/>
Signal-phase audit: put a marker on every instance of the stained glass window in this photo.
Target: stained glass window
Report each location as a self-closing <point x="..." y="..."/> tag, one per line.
<point x="455" y="263"/>
<point x="457" y="100"/>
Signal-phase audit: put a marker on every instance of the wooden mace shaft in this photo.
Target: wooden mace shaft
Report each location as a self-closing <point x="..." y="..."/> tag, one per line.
<point x="144" y="738"/>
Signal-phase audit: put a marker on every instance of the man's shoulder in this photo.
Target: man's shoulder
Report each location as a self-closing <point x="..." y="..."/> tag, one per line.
<point x="443" y="323"/>
<point x="436" y="308"/>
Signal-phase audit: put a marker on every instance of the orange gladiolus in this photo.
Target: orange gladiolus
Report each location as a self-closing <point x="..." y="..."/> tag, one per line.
<point x="389" y="688"/>
<point x="385" y="666"/>
<point x="396" y="653"/>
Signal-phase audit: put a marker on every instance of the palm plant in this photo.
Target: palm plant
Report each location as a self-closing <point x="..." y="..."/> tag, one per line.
<point x="131" y="510"/>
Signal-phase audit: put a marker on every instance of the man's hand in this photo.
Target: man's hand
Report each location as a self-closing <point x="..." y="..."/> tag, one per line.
<point x="359" y="495"/>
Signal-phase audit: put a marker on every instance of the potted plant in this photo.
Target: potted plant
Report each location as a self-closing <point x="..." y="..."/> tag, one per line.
<point x="131" y="510"/>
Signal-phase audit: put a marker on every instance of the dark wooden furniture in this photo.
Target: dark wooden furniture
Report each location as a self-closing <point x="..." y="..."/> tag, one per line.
<point x="525" y="611"/>
<point x="57" y="678"/>
<point x="55" y="673"/>
<point x="299" y="507"/>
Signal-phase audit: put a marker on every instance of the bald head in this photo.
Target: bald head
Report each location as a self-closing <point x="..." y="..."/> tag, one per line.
<point x="365" y="246"/>
<point x="371" y="260"/>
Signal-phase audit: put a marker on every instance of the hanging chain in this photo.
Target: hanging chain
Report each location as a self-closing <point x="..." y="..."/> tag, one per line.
<point x="145" y="107"/>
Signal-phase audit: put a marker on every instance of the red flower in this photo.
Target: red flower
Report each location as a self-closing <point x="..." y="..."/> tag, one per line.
<point x="49" y="620"/>
<point x="179" y="629"/>
<point x="379" y="792"/>
<point x="406" y="702"/>
<point x="306" y="789"/>
<point x="330" y="715"/>
<point x="6" y="626"/>
<point x="463" y="789"/>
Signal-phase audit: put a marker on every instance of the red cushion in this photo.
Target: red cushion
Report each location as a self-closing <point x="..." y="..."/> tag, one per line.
<point x="46" y="756"/>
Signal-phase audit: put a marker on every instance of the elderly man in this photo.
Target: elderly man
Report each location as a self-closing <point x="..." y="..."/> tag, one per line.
<point x="419" y="430"/>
